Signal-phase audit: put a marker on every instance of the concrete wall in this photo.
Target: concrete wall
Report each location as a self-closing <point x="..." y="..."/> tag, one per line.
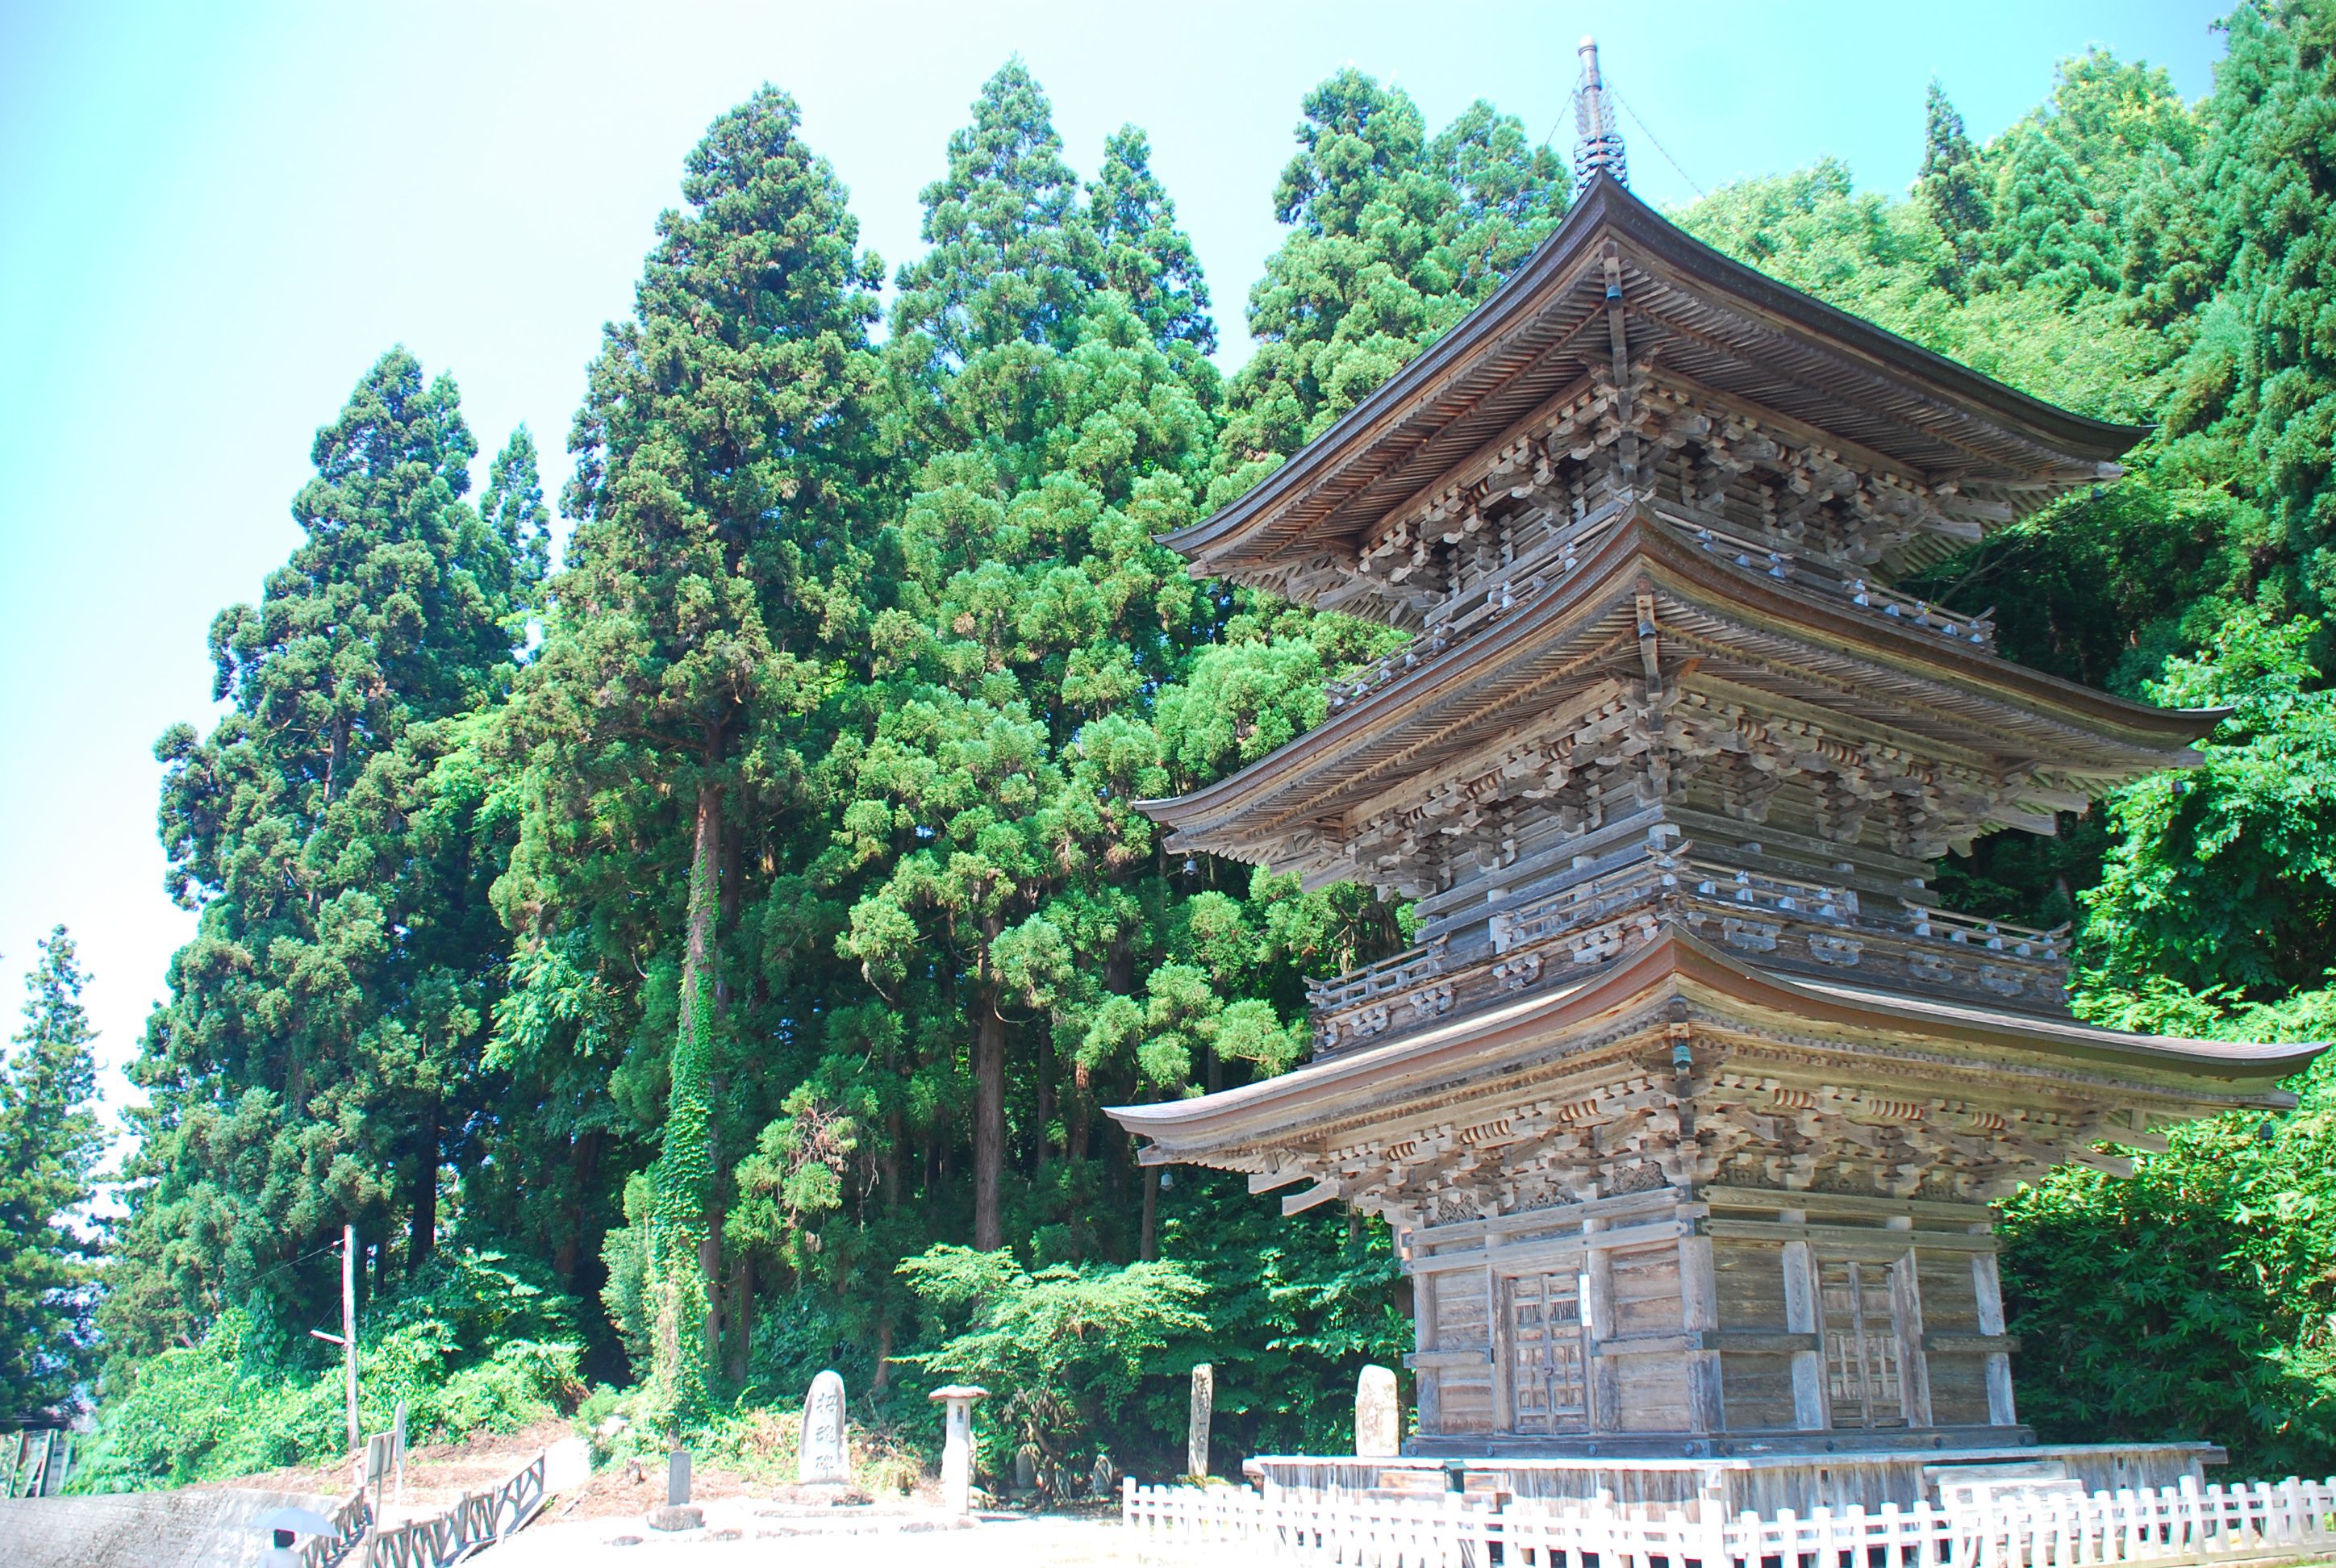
<point x="184" y="1529"/>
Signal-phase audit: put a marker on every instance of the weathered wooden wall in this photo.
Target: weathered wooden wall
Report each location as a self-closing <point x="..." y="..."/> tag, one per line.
<point x="1720" y="1311"/>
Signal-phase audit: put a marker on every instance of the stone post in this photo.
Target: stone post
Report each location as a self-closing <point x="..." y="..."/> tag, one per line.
<point x="1378" y="1414"/>
<point x="822" y="1459"/>
<point x="1196" y="1434"/>
<point x="678" y="1512"/>
<point x="957" y="1444"/>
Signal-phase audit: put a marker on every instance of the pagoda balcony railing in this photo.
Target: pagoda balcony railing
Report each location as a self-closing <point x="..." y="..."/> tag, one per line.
<point x="1779" y="921"/>
<point x="1388" y="977"/>
<point x="1763" y="555"/>
<point x="1491" y="600"/>
<point x="1500" y="595"/>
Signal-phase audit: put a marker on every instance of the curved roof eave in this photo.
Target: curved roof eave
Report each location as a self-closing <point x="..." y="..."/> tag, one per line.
<point x="1616" y="555"/>
<point x="1604" y="204"/>
<point x="1676" y="952"/>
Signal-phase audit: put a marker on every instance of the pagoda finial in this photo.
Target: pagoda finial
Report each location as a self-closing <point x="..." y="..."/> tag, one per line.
<point x="1598" y="144"/>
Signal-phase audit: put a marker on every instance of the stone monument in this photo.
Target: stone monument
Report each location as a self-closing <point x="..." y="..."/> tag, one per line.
<point x="1378" y="1414"/>
<point x="678" y="1512"/>
<point x="822" y="1459"/>
<point x="1196" y="1434"/>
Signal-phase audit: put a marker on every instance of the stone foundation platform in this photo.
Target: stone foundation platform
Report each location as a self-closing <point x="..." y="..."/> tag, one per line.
<point x="1755" y="1474"/>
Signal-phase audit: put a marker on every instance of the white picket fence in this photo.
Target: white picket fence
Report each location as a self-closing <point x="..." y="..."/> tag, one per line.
<point x="2175" y="1523"/>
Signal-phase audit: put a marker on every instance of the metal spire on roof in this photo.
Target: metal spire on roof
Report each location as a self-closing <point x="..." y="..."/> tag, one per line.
<point x="1598" y="144"/>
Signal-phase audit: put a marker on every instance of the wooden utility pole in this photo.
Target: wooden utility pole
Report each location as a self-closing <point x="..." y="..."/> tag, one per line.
<point x="349" y="1324"/>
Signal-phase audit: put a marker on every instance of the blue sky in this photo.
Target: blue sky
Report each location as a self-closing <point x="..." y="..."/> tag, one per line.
<point x="213" y="217"/>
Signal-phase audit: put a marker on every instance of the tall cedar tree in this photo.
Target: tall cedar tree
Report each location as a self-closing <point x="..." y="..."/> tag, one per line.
<point x="1396" y="236"/>
<point x="326" y="1022"/>
<point x="722" y="449"/>
<point x="1058" y="436"/>
<point x="1949" y="181"/>
<point x="50" y="1144"/>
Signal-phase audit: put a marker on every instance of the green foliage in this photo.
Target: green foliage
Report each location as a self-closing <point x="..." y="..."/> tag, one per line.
<point x="475" y="1342"/>
<point x="2193" y="1299"/>
<point x="2224" y="876"/>
<point x="1297" y="1308"/>
<point x="50" y="1144"/>
<point x="318" y="1062"/>
<point x="1395" y="236"/>
<point x="1061" y="1351"/>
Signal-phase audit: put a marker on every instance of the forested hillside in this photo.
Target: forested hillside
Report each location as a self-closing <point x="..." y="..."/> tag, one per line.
<point x="706" y="962"/>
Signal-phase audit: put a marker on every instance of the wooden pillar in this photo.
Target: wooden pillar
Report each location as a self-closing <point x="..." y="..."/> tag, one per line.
<point x="1426" y="1381"/>
<point x="1988" y="1285"/>
<point x="1496" y="1332"/>
<point x="1699" y="1314"/>
<point x="1604" y="1372"/>
<point x="1804" y="1314"/>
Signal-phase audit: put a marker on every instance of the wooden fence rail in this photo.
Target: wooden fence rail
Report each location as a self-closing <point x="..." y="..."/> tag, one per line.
<point x="479" y="1519"/>
<point x="2042" y="1529"/>
<point x="34" y="1463"/>
<point x="351" y="1520"/>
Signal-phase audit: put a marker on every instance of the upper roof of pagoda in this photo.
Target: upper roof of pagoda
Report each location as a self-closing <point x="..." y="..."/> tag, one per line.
<point x="1704" y="328"/>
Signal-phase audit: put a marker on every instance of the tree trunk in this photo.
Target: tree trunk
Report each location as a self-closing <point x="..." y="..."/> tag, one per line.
<point x="719" y="1306"/>
<point x="988" y="1126"/>
<point x="1074" y="1119"/>
<point x="877" y="1384"/>
<point x="680" y="1302"/>
<point x="584" y="1163"/>
<point x="1046" y="1104"/>
<point x="739" y="1319"/>
<point x="422" y="1231"/>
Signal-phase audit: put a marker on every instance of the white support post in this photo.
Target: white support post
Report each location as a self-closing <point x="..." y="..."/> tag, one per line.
<point x="349" y="1327"/>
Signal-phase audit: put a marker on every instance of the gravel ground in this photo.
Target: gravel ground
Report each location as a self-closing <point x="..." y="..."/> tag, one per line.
<point x="740" y="1529"/>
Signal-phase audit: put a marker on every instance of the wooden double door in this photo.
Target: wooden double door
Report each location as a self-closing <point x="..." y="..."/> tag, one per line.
<point x="1864" y="1348"/>
<point x="1548" y="1351"/>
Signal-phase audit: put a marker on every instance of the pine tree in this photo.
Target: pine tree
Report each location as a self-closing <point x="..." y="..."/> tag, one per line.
<point x="1010" y="260"/>
<point x="1396" y="237"/>
<point x="1949" y="182"/>
<point x="50" y="1144"/>
<point x="1145" y="257"/>
<point x="324" y="1019"/>
<point x="723" y="445"/>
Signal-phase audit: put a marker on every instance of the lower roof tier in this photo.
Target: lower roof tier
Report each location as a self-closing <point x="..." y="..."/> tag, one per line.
<point x="1680" y="1064"/>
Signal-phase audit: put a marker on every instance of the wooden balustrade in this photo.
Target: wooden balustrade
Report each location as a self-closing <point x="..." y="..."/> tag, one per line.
<point x="1492" y="598"/>
<point x="1778" y="919"/>
<point x="476" y="1520"/>
<point x="1385" y="977"/>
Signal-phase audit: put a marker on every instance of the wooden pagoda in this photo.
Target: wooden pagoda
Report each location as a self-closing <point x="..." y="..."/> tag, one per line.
<point x="1689" y="1106"/>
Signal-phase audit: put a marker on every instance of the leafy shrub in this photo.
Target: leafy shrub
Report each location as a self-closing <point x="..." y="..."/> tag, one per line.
<point x="474" y="1343"/>
<point x="2196" y="1300"/>
<point x="1061" y="1351"/>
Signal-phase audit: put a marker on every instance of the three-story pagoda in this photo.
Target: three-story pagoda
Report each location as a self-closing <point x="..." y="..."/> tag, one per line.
<point x="1689" y="1106"/>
